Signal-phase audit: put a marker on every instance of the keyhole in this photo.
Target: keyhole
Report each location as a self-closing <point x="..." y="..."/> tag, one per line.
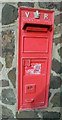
<point x="29" y="87"/>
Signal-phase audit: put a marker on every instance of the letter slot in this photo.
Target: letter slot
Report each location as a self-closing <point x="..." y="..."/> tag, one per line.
<point x="37" y="28"/>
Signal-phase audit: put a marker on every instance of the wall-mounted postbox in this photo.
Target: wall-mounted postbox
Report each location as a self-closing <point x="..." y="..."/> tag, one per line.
<point x="34" y="57"/>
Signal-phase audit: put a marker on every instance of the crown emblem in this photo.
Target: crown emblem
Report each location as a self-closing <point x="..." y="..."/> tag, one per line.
<point x="36" y="14"/>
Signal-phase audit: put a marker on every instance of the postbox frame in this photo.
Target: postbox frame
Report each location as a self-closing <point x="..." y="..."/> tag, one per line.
<point x="43" y="57"/>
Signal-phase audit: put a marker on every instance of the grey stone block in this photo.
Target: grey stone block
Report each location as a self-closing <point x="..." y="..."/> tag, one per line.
<point x="12" y="76"/>
<point x="57" y="100"/>
<point x="6" y="113"/>
<point x="51" y="115"/>
<point x="60" y="52"/>
<point x="56" y="66"/>
<point x="4" y="83"/>
<point x="55" y="82"/>
<point x="8" y="45"/>
<point x="9" y="14"/>
<point x="26" y="4"/>
<point x="8" y="96"/>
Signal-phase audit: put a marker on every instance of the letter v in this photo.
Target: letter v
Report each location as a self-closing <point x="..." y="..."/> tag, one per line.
<point x="27" y="14"/>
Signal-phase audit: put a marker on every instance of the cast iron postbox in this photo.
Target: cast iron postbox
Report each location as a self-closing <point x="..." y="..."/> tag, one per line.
<point x="34" y="57"/>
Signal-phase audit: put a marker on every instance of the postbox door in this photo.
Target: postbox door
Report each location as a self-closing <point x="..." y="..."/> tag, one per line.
<point x="34" y="82"/>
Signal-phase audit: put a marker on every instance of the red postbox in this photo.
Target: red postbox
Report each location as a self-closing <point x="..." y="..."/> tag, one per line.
<point x="34" y="57"/>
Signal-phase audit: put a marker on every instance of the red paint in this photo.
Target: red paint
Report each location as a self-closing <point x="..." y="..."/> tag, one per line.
<point x="34" y="58"/>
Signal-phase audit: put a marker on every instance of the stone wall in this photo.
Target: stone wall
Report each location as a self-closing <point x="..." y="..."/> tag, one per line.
<point x="8" y="63"/>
